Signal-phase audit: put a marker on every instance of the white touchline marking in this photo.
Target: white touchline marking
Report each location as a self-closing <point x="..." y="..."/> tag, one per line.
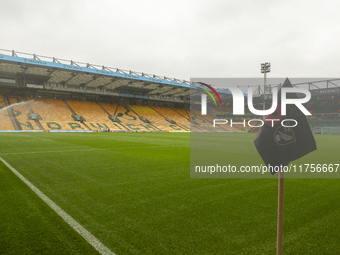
<point x="91" y="239"/>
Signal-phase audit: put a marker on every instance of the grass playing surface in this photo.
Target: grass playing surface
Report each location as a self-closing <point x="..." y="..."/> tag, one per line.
<point x="134" y="193"/>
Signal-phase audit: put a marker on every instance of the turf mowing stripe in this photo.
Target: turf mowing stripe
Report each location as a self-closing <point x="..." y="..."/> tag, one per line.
<point x="94" y="149"/>
<point x="99" y="246"/>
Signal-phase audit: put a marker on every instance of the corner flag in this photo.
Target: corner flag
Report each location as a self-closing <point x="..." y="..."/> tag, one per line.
<point x="279" y="145"/>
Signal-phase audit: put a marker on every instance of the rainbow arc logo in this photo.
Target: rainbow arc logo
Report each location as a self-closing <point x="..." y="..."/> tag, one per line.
<point x="208" y="92"/>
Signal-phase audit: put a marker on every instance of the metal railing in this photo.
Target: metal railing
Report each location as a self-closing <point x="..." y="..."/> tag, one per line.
<point x="311" y="85"/>
<point x="88" y="65"/>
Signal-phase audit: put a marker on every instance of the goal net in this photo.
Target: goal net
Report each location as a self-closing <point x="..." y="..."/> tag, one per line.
<point x="330" y="130"/>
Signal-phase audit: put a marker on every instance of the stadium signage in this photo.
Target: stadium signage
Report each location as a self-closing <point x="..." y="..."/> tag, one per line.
<point x="72" y="67"/>
<point x="328" y="91"/>
<point x="34" y="61"/>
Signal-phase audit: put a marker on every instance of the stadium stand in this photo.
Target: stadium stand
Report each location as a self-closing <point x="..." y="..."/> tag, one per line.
<point x="327" y="104"/>
<point x="227" y="112"/>
<point x="183" y="112"/>
<point x="126" y="117"/>
<point x="155" y="119"/>
<point x="54" y="114"/>
<point x="94" y="117"/>
<point x="226" y="127"/>
<point x="5" y="120"/>
<point x="58" y="114"/>
<point x="173" y="116"/>
<point x="21" y="113"/>
<point x="198" y="123"/>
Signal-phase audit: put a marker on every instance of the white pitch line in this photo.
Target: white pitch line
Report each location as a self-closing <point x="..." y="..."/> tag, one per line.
<point x="91" y="239"/>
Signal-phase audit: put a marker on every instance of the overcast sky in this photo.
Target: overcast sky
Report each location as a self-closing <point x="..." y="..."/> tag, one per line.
<point x="181" y="39"/>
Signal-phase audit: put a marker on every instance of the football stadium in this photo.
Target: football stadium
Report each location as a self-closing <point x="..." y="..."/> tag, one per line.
<point x="96" y="160"/>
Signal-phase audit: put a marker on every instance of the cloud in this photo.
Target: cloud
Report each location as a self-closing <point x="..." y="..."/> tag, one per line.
<point x="180" y="39"/>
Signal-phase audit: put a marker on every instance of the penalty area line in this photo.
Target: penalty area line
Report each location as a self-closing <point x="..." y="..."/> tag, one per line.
<point x="91" y="239"/>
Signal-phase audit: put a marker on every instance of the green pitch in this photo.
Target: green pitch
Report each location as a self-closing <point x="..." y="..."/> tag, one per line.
<point x="134" y="193"/>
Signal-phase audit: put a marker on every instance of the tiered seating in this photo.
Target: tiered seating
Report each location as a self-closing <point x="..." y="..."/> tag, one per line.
<point x="55" y="115"/>
<point x="227" y="113"/>
<point x="324" y="105"/>
<point x="183" y="112"/>
<point x="5" y="120"/>
<point x="175" y="116"/>
<point x="224" y="127"/>
<point x="20" y="112"/>
<point x="199" y="123"/>
<point x="95" y="117"/>
<point x="127" y="117"/>
<point x="195" y="123"/>
<point x="154" y="118"/>
<point x="315" y="126"/>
